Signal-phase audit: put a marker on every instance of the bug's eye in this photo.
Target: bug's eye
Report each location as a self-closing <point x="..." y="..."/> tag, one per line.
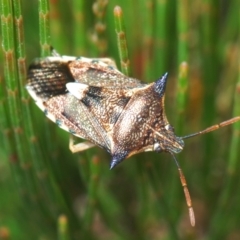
<point x="168" y="127"/>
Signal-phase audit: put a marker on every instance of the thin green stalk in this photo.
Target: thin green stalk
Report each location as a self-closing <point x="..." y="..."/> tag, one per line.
<point x="210" y="76"/>
<point x="83" y="167"/>
<point x="20" y="152"/>
<point x="8" y="149"/>
<point x="92" y="192"/>
<point x="146" y="8"/>
<point x="4" y="121"/>
<point x="210" y="64"/>
<point x="160" y="38"/>
<point x="21" y="67"/>
<point x="44" y="28"/>
<point x="63" y="228"/>
<point x="182" y="83"/>
<point x="230" y="29"/>
<point x="121" y="39"/>
<point x="45" y="44"/>
<point x="79" y="30"/>
<point x="56" y="26"/>
<point x="143" y="192"/>
<point x="181" y="97"/>
<point x="99" y="35"/>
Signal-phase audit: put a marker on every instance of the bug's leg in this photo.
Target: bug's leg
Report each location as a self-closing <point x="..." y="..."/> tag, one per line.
<point x="54" y="52"/>
<point x="79" y="147"/>
<point x="108" y="61"/>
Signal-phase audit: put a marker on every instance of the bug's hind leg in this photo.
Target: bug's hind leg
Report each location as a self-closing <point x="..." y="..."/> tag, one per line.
<point x="79" y="147"/>
<point x="108" y="61"/>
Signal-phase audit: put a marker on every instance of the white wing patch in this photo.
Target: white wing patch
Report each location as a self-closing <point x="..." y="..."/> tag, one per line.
<point x="78" y="90"/>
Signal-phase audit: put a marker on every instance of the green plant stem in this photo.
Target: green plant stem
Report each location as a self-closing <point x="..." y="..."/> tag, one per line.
<point x="210" y="64"/>
<point x="45" y="44"/>
<point x="121" y="39"/>
<point x="83" y="168"/>
<point x="92" y="192"/>
<point x="99" y="35"/>
<point x="4" y="120"/>
<point x="181" y="98"/>
<point x="146" y="7"/>
<point x="19" y="154"/>
<point x="80" y="39"/>
<point x="63" y="228"/>
<point x="56" y="27"/>
<point x="143" y="195"/>
<point x="44" y="28"/>
<point x="210" y="76"/>
<point x="182" y="83"/>
<point x="230" y="29"/>
<point x="161" y="44"/>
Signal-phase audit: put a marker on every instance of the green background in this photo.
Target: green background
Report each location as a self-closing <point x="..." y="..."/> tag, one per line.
<point x="48" y="193"/>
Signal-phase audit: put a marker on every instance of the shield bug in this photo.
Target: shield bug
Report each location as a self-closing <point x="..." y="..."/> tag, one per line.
<point x="94" y="101"/>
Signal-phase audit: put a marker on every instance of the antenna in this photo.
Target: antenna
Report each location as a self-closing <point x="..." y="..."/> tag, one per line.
<point x="181" y="175"/>
<point x="213" y="128"/>
<point x="186" y="192"/>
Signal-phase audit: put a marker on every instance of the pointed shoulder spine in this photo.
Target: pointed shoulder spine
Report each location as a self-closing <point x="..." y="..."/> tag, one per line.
<point x="160" y="85"/>
<point x="117" y="158"/>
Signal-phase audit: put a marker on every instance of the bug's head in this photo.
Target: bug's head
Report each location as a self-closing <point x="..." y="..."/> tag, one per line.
<point x="167" y="141"/>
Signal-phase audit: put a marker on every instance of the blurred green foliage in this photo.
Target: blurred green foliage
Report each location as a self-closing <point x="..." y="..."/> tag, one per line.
<point x="48" y="193"/>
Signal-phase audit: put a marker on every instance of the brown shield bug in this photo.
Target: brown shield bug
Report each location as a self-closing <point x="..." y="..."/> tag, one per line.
<point x="92" y="100"/>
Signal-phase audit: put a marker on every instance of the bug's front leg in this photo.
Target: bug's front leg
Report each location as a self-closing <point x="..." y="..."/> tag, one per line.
<point x="108" y="61"/>
<point x="79" y="147"/>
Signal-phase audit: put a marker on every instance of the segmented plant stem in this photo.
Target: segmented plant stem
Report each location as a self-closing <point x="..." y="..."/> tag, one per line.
<point x="99" y="35"/>
<point x="19" y="154"/>
<point x="44" y="28"/>
<point x="121" y="39"/>
<point x="45" y="45"/>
